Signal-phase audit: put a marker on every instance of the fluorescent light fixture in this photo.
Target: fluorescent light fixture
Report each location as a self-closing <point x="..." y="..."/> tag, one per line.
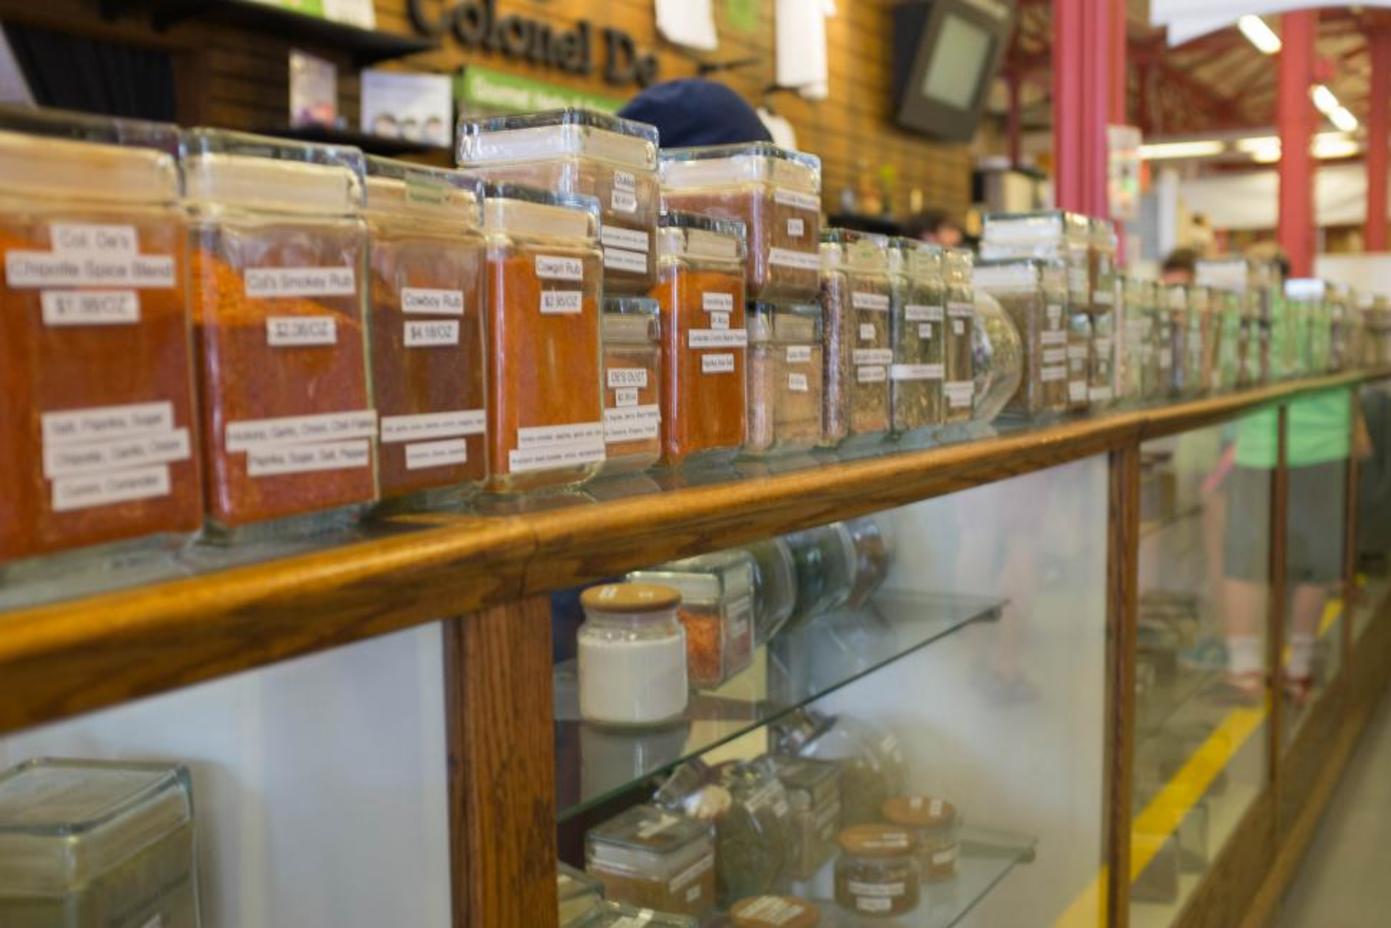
<point x="1259" y="34"/>
<point x="1199" y="148"/>
<point x="1257" y="143"/>
<point x="1265" y="149"/>
<point x="1324" y="98"/>
<point x="1342" y="118"/>
<point x="1330" y="145"/>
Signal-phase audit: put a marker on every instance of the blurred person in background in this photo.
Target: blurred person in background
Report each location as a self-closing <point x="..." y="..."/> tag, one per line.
<point x="936" y="227"/>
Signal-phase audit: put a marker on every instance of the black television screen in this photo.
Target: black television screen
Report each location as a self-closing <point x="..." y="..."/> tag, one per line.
<point x="946" y="53"/>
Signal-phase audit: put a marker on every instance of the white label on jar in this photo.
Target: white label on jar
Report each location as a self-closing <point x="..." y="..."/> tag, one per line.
<point x="717" y="364"/>
<point x="632" y="423"/>
<point x="867" y="331"/>
<point x="916" y="312"/>
<point x="879" y="302"/>
<point x="738" y="636"/>
<point x="873" y="356"/>
<point x="797" y="383"/>
<point x="1057" y="337"/>
<point x="90" y="307"/>
<point x="1100" y="394"/>
<point x="771" y="910"/>
<point x="550" y="446"/>
<point x="1077" y="352"/>
<point x="1055" y="314"/>
<point x="961" y="310"/>
<point x="1050" y="374"/>
<point x="625" y="396"/>
<point x="429" y="425"/>
<point x="798" y="199"/>
<point x="106" y="422"/>
<point x="1077" y="391"/>
<point x="876" y="890"/>
<point x="562" y="302"/>
<point x="925" y="331"/>
<point x="798" y="354"/>
<point x="432" y="302"/>
<point x="269" y="282"/>
<point x="552" y="267"/>
<point x="692" y="873"/>
<point x="945" y="856"/>
<point x="624" y="201"/>
<point x="47" y="269"/>
<point x="123" y="486"/>
<point x="871" y="373"/>
<point x="301" y="331"/>
<point x="67" y="459"/>
<point x="626" y="377"/>
<point x="92" y="238"/>
<point x="871" y="904"/>
<point x="289" y="430"/>
<point x="273" y="460"/>
<point x="620" y="259"/>
<point x="717" y="338"/>
<point x="801" y="260"/>
<point x="958" y="327"/>
<point x="719" y="321"/>
<point x="628" y="239"/>
<point x="916" y="372"/>
<point x="655" y="826"/>
<point x="717" y="302"/>
<point x="959" y="393"/>
<point x="1103" y="297"/>
<point x="420" y="334"/>
<point x="426" y="454"/>
<point x="1054" y="355"/>
<point x="796" y="228"/>
<point x="625" y="180"/>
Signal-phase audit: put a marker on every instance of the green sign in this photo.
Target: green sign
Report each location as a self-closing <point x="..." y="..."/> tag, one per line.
<point x="483" y="90"/>
<point x="742" y="15"/>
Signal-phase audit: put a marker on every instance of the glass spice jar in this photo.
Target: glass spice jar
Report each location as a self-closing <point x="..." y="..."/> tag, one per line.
<point x="856" y="296"/>
<point x="716" y="611"/>
<point x="1227" y="305"/>
<point x="871" y="762"/>
<point x="1176" y="300"/>
<point x="279" y="298"/>
<point x="1032" y="292"/>
<point x="825" y="560"/>
<point x="1197" y="358"/>
<point x="1133" y="337"/>
<point x="700" y="286"/>
<point x="583" y="153"/>
<point x="877" y="873"/>
<point x="94" y="339"/>
<point x="655" y="858"/>
<point x="427" y="292"/>
<point x="545" y="395"/>
<point x="754" y="837"/>
<point x="775" y="192"/>
<point x="959" y="385"/>
<point x="632" y="383"/>
<point x="813" y="793"/>
<point x="785" y="386"/>
<point x="936" y="828"/>
<point x="918" y="320"/>
<point x="1103" y="249"/>
<point x="632" y="655"/>
<point x="92" y="844"/>
<point x="775" y="912"/>
<point x="1162" y="341"/>
<point x="999" y="358"/>
<point x="1049" y="234"/>
<point x="775" y="587"/>
<point x="872" y="559"/>
<point x="1079" y="349"/>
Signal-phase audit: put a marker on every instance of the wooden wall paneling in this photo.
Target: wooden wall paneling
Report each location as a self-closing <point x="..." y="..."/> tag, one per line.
<point x="1122" y="609"/>
<point x="500" y="718"/>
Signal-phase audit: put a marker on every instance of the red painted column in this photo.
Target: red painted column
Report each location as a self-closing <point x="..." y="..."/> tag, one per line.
<point x="1082" y="85"/>
<point x="1378" y="127"/>
<point x="1295" y="121"/>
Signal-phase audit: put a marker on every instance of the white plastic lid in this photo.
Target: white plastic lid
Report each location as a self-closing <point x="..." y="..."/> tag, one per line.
<point x="728" y="165"/>
<point x="558" y="134"/>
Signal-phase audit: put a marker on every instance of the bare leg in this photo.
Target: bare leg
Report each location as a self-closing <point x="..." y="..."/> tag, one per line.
<point x="1306" y="609"/>
<point x="1244" y="616"/>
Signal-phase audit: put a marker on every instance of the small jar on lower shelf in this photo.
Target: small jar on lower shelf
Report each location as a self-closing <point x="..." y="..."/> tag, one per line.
<point x="877" y="874"/>
<point x="632" y="655"/>
<point x="657" y="859"/>
<point x="775" y="912"/>
<point x="935" y="826"/>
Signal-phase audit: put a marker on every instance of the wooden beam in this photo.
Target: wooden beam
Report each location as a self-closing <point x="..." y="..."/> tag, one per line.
<point x="1122" y="617"/>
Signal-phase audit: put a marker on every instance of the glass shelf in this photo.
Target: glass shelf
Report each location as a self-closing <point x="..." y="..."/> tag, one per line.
<point x="798" y="666"/>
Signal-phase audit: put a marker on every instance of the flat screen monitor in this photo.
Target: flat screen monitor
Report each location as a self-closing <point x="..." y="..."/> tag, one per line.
<point x="946" y="53"/>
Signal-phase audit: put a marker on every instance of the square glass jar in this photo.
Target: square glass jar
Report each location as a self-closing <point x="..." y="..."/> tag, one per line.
<point x="857" y="323"/>
<point x="632" y="336"/>
<point x="717" y="597"/>
<point x="656" y="859"/>
<point x="813" y="794"/>
<point x="785" y="390"/>
<point x="1033" y="293"/>
<point x="919" y="336"/>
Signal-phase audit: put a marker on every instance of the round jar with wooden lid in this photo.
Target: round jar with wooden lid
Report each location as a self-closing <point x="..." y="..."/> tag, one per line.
<point x="632" y="655"/>
<point x="774" y="912"/>
<point x="935" y="825"/>
<point x="877" y="873"/>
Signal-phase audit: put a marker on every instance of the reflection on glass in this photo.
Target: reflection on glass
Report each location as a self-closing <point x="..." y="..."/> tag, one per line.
<point x="940" y="685"/>
<point x="1201" y="691"/>
<point x="1373" y="448"/>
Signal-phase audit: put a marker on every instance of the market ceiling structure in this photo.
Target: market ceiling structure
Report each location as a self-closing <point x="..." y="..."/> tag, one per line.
<point x="1215" y="83"/>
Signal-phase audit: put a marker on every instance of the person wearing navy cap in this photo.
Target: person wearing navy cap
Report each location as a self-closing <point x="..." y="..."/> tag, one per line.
<point x="695" y="111"/>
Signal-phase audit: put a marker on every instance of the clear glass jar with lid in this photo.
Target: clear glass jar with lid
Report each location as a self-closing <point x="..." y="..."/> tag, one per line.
<point x="999" y="365"/>
<point x="919" y="336"/>
<point x="775" y="192"/>
<point x="92" y="374"/>
<point x="959" y="383"/>
<point x="585" y="153"/>
<point x="89" y="844"/>
<point x="545" y="397"/>
<point x="427" y="292"/>
<point x="1226" y="305"/>
<point x="825" y="560"/>
<point x="877" y="873"/>
<point x="632" y="331"/>
<point x="785" y="378"/>
<point x="936" y="828"/>
<point x="279" y="300"/>
<point x="774" y="585"/>
<point x="716" y="610"/>
<point x="776" y="912"/>
<point x="871" y="762"/>
<point x="1177" y="310"/>
<point x="813" y="792"/>
<point x="856" y="319"/>
<point x="1033" y="293"/>
<point x="655" y="858"/>
<point x="632" y="655"/>
<point x="1053" y="234"/>
<point x="872" y="559"/>
<point x="700" y="286"/>
<point x="1198" y="358"/>
<point x="754" y="835"/>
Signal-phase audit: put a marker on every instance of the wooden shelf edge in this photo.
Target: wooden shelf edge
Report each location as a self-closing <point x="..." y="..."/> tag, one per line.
<point x="63" y="659"/>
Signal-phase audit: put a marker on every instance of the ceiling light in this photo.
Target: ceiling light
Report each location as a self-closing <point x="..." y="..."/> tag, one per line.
<point x="1259" y="34"/>
<point x="1330" y="145"/>
<point x="1342" y="118"/>
<point x="1258" y="143"/>
<point x="1201" y="148"/>
<point x="1324" y="98"/>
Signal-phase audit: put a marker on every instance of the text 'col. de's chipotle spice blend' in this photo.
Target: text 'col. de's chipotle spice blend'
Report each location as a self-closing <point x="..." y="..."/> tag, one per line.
<point x="545" y="408"/>
<point x="278" y="303"/>
<point x="97" y="411"/>
<point x="428" y="290"/>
